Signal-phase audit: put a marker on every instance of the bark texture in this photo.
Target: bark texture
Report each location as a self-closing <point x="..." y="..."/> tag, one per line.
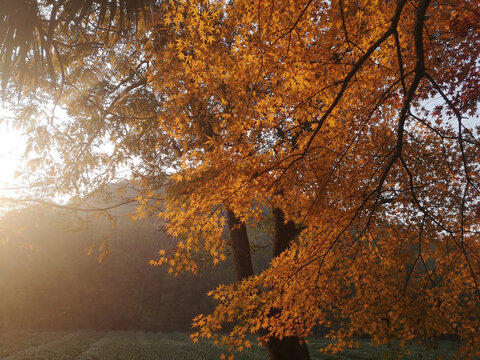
<point x="240" y="246"/>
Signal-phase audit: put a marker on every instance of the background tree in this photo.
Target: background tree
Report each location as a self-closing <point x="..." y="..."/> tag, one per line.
<point x="49" y="282"/>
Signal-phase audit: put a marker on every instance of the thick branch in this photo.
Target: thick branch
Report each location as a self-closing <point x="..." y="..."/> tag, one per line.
<point x="354" y="70"/>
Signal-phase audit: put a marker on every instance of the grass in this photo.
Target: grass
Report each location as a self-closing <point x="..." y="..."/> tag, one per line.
<point x="132" y="345"/>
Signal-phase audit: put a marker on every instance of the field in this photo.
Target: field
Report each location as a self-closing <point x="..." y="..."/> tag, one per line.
<point x="120" y="345"/>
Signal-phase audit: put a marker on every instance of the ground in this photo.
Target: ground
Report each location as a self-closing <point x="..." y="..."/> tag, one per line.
<point x="122" y="345"/>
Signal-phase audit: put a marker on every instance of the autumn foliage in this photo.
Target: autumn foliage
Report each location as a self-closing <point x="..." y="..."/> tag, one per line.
<point x="357" y="123"/>
<point x="350" y="117"/>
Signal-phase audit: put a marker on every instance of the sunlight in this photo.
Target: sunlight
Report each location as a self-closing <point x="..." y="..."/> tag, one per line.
<point x="12" y="146"/>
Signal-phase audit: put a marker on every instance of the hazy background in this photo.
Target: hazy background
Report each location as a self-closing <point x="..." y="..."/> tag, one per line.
<point x="48" y="280"/>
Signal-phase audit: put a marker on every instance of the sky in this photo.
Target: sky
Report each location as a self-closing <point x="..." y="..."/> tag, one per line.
<point x="12" y="146"/>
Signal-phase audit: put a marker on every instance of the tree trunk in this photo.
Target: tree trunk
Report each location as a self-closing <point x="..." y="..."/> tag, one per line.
<point x="240" y="246"/>
<point x="284" y="233"/>
<point x="289" y="347"/>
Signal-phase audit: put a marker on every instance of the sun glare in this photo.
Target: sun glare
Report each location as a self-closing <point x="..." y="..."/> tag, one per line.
<point x="12" y="145"/>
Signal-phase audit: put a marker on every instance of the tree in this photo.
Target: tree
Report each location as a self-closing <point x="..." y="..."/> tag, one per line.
<point x="352" y="121"/>
<point x="325" y="118"/>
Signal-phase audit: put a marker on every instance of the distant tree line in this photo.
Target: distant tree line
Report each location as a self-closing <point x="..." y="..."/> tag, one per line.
<point x="48" y="281"/>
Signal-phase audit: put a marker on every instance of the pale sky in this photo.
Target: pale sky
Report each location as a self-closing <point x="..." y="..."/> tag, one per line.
<point x="12" y="146"/>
